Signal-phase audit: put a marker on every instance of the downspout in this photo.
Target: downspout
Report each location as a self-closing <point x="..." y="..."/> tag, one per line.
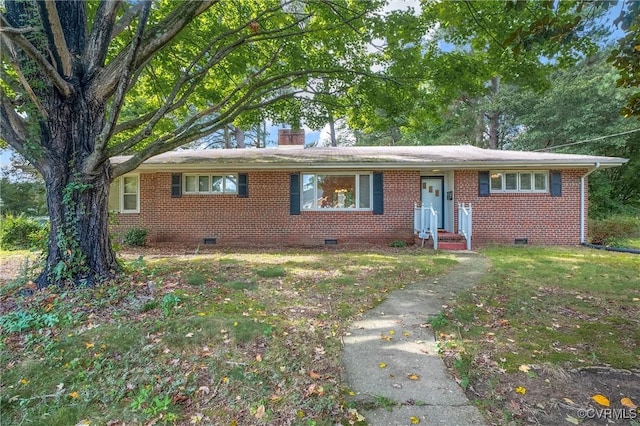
<point x="582" y="202"/>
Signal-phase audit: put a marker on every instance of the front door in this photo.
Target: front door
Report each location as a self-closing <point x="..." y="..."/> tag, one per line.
<point x="432" y="195"/>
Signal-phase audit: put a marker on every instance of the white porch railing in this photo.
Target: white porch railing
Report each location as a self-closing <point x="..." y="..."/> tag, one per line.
<point x="465" y="219"/>
<point x="425" y="223"/>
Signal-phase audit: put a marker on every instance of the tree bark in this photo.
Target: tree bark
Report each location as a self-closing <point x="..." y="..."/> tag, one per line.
<point x="239" y="135"/>
<point x="494" y="117"/>
<point x="332" y="129"/>
<point x="79" y="249"/>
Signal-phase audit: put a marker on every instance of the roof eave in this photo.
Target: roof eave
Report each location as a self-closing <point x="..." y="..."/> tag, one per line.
<point x="372" y="165"/>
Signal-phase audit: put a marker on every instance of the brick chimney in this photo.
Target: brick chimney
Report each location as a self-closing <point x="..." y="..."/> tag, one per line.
<point x="289" y="137"/>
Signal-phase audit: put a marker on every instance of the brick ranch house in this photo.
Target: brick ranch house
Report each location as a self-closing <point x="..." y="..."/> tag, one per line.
<point x="293" y="195"/>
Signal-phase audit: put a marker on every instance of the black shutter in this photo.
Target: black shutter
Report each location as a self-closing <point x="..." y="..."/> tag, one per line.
<point x="294" y="194"/>
<point x="483" y="184"/>
<point x="243" y="188"/>
<point x="556" y="184"/>
<point x="378" y="194"/>
<point x="176" y="185"/>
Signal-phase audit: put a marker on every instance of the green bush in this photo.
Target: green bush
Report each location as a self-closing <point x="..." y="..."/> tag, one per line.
<point x="398" y="243"/>
<point x="135" y="237"/>
<point x="20" y="232"/>
<point x="604" y="231"/>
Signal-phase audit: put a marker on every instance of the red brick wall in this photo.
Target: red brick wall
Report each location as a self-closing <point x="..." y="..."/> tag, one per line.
<point x="263" y="217"/>
<point x="542" y="219"/>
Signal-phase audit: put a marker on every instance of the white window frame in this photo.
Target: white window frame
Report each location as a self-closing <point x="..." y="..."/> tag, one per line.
<point x="121" y="194"/>
<point x="518" y="189"/>
<point x="356" y="176"/>
<point x="224" y="177"/>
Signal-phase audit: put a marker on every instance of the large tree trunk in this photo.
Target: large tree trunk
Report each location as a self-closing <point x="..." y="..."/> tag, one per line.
<point x="79" y="249"/>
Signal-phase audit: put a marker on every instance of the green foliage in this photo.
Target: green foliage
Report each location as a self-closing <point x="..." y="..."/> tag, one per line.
<point x="398" y="243"/>
<point x="169" y="301"/>
<point x="439" y="321"/>
<point x="28" y="320"/>
<point x="612" y="229"/>
<point x="135" y="237"/>
<point x="271" y="272"/>
<point x="20" y="232"/>
<point x="23" y="197"/>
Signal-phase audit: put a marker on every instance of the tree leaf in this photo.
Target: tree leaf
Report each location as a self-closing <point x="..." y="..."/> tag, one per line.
<point x="260" y="412"/>
<point x="414" y="420"/>
<point x="627" y="402"/>
<point x="572" y="420"/>
<point x="601" y="399"/>
<point x="524" y="368"/>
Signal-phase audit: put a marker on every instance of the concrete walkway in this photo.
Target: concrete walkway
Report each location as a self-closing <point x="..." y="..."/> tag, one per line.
<point x="394" y="334"/>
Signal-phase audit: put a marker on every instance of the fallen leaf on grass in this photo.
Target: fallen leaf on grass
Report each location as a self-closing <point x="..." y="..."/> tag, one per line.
<point x="314" y="375"/>
<point x="259" y="357"/>
<point x="88" y="345"/>
<point x="601" y="399"/>
<point x="521" y="390"/>
<point x="628" y="403"/>
<point x="572" y="420"/>
<point x="74" y="395"/>
<point x="260" y="412"/>
<point x="524" y="368"/>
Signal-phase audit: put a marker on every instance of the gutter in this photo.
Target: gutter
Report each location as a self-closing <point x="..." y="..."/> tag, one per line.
<point x="582" y="201"/>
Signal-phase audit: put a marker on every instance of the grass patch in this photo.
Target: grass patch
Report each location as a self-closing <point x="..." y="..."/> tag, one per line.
<point x="565" y="308"/>
<point x="271" y="272"/>
<point x="208" y="339"/>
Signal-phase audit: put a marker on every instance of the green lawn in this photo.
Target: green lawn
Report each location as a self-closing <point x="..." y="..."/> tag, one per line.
<point x="553" y="308"/>
<point x="224" y="338"/>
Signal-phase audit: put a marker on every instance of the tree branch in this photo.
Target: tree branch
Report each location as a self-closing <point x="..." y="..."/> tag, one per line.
<point x="59" y="42"/>
<point x="11" y="55"/>
<point x="21" y="41"/>
<point x="97" y="157"/>
<point x="126" y="19"/>
<point x="12" y="127"/>
<point x="101" y="32"/>
<point x="105" y="81"/>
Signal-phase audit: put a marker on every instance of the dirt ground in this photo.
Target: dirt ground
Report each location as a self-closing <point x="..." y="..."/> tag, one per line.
<point x="553" y="396"/>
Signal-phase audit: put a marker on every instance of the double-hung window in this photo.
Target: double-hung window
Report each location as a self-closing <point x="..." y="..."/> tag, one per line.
<point x="210" y="184"/>
<point x="529" y="181"/>
<point x="339" y="191"/>
<point x="124" y="194"/>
